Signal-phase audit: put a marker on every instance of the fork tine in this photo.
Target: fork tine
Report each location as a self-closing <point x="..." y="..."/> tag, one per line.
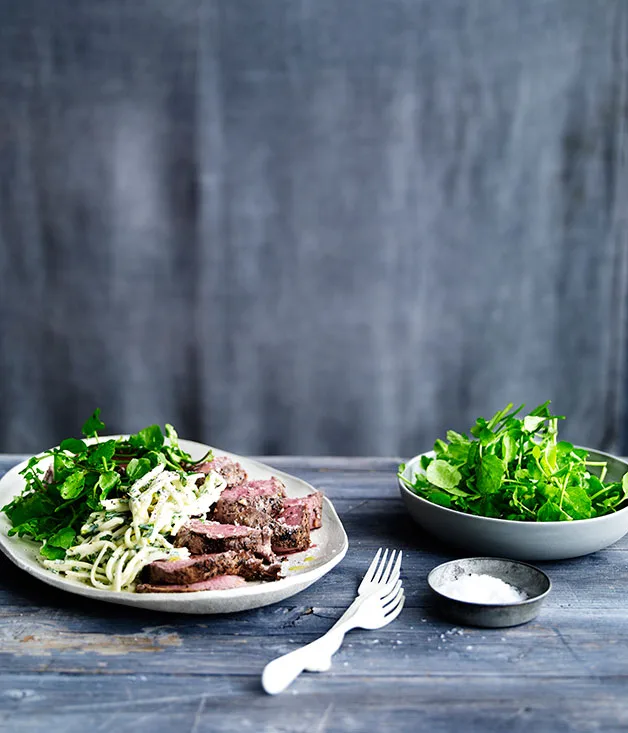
<point x="392" y="569"/>
<point x="394" y="608"/>
<point x="382" y="567"/>
<point x="392" y="576"/>
<point x="383" y="578"/>
<point x="386" y="607"/>
<point x="392" y="615"/>
<point x="368" y="576"/>
<point x="397" y="569"/>
<point x="392" y="593"/>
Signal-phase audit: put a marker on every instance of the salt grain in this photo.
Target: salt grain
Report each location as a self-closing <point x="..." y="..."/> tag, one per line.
<point x="476" y="588"/>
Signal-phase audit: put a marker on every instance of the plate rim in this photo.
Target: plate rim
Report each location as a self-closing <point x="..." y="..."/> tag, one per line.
<point x="296" y="582"/>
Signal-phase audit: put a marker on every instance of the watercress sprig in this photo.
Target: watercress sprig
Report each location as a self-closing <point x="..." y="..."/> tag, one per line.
<point x="516" y="468"/>
<point x="80" y="474"/>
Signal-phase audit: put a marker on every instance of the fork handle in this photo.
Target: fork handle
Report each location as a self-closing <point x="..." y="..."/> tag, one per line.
<point x="325" y="648"/>
<point x="315" y="656"/>
<point x="328" y="644"/>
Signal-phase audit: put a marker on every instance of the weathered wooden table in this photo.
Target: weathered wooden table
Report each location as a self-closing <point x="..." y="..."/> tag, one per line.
<point x="70" y="665"/>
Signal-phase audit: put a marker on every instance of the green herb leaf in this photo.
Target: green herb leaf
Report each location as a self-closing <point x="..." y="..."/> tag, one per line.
<point x="155" y="458"/>
<point x="73" y="485"/>
<point x="73" y="445"/>
<point x="509" y="448"/>
<point x="28" y="507"/>
<point x="458" y="452"/>
<point x="39" y="528"/>
<point x="490" y="474"/>
<point x="454" y="437"/>
<point x="549" y="512"/>
<point x="531" y="423"/>
<point x="63" y="466"/>
<point x="63" y="538"/>
<point x="107" y="482"/>
<point x="171" y="434"/>
<point x="150" y="438"/>
<point x="577" y="503"/>
<point x="442" y="474"/>
<point x="101" y="453"/>
<point x="93" y="425"/>
<point x="137" y="468"/>
<point x="440" y="498"/>
<point x="425" y="462"/>
<point x="52" y="553"/>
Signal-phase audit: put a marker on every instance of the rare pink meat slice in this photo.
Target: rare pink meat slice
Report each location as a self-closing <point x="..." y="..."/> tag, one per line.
<point x="313" y="503"/>
<point x="232" y="472"/>
<point x="291" y="530"/>
<point x="203" y="538"/>
<point x="271" y="488"/>
<point x="252" y="503"/>
<point x="203" y="567"/>
<point x="219" y="582"/>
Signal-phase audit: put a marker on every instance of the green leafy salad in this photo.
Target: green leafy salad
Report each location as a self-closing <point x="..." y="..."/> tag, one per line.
<point x="82" y="477"/>
<point x="516" y="468"/>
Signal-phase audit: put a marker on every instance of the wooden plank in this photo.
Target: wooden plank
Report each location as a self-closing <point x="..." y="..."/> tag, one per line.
<point x="557" y="643"/>
<point x="481" y="704"/>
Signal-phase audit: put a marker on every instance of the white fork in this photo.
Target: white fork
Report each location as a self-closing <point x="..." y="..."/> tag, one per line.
<point x="378" y="580"/>
<point x="379" y="601"/>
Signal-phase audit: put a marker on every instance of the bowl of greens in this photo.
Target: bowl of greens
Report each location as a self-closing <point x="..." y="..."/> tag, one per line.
<point x="513" y="489"/>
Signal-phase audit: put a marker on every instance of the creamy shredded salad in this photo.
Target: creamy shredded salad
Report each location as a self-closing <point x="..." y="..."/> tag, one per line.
<point x="117" y="542"/>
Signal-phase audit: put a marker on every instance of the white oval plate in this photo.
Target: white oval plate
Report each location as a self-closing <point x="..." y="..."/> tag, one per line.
<point x="329" y="546"/>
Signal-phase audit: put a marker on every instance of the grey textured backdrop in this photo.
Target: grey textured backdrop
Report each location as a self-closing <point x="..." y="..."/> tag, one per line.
<point x="312" y="226"/>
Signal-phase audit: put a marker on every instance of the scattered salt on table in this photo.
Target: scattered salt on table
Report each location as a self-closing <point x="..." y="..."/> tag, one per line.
<point x="476" y="588"/>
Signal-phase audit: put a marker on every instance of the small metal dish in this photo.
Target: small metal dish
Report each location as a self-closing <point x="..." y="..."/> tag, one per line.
<point x="527" y="578"/>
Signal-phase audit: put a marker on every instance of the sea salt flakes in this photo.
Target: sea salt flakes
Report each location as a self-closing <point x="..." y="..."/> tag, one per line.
<point x="475" y="588"/>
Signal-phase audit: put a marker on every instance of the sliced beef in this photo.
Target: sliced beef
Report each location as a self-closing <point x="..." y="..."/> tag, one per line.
<point x="269" y="490"/>
<point x="203" y="567"/>
<point x="252" y="503"/>
<point x="232" y="472"/>
<point x="220" y="582"/>
<point x="203" y="538"/>
<point x="291" y="531"/>
<point x="313" y="503"/>
<point x="233" y="512"/>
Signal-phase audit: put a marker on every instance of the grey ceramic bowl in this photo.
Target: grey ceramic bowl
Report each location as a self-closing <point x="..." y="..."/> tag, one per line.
<point x="524" y="577"/>
<point x="519" y="540"/>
